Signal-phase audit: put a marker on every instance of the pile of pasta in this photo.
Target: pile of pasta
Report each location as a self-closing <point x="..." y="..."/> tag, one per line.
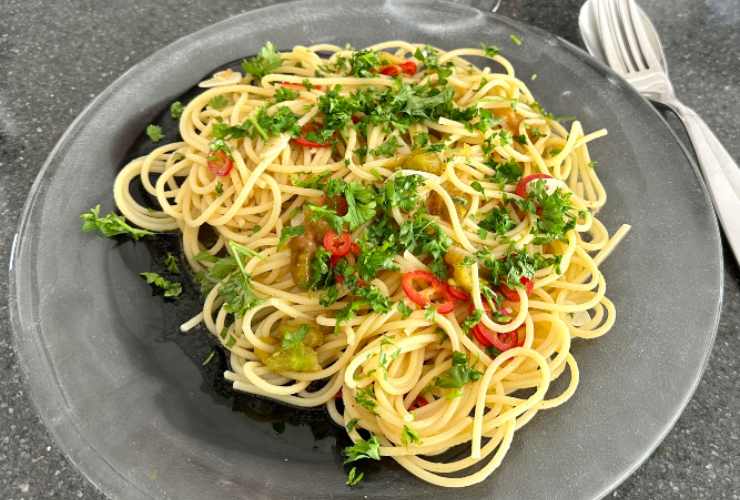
<point x="408" y="380"/>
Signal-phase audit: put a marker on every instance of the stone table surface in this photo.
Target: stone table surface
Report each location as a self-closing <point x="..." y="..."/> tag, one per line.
<point x="55" y="56"/>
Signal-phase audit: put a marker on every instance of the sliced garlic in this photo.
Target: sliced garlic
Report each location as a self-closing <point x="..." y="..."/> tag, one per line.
<point x="225" y="77"/>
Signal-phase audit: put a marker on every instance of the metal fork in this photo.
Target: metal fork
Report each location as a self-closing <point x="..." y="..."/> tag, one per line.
<point x="632" y="48"/>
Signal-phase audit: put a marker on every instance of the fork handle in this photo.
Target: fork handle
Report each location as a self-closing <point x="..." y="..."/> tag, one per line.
<point x="720" y="172"/>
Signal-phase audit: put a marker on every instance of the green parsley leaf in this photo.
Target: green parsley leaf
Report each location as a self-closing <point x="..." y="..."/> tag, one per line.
<point x="329" y="297"/>
<point x="289" y="232"/>
<point x="176" y="109"/>
<point x="219" y="102"/>
<point x="364" y="62"/>
<point x="285" y="94"/>
<point x="430" y="312"/>
<point x="347" y="313"/>
<point x="515" y="39"/>
<point x="350" y="426"/>
<point x="369" y="448"/>
<point x="404" y="309"/>
<point x="293" y="338"/>
<point x="506" y="173"/>
<point x="514" y="266"/>
<point x="110" y="225"/>
<point x="354" y="477"/>
<point x="409" y="436"/>
<point x="154" y="132"/>
<point x="459" y="374"/>
<point x="365" y="397"/>
<point x="401" y="191"/>
<point x="471" y="320"/>
<point x="498" y="221"/>
<point x="477" y="186"/>
<point x="388" y="148"/>
<point x="170" y="262"/>
<point x="219" y="188"/>
<point x="490" y="50"/>
<point x="266" y="61"/>
<point x="555" y="216"/>
<point x="169" y="288"/>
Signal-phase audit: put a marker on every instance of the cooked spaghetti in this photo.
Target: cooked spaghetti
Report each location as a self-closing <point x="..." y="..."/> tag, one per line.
<point x="393" y="233"/>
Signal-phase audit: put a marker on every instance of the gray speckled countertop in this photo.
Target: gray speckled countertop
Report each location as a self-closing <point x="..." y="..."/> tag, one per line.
<point x="56" y="56"/>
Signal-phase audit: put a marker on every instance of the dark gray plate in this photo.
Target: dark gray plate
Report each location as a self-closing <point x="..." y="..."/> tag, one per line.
<point x="126" y="396"/>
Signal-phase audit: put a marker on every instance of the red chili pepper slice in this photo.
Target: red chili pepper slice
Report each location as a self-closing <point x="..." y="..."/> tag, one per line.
<point x="521" y="187"/>
<point x="501" y="341"/>
<point x="354" y="249"/>
<point x="458" y="293"/>
<point x="390" y="70"/>
<point x="407" y="283"/>
<point x="511" y="294"/>
<point x="418" y="403"/>
<point x="408" y="67"/>
<point x="338" y="245"/>
<point x="340" y="205"/>
<point x="302" y="141"/>
<point x="220" y="163"/>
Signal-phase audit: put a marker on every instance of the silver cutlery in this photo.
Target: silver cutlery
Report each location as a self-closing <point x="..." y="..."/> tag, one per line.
<point x="620" y="34"/>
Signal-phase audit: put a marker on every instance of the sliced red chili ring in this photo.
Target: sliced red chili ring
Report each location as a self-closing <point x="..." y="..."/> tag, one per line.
<point x="408" y="67"/>
<point x="407" y="283"/>
<point x="302" y="141"/>
<point x="511" y="294"/>
<point x="338" y="245"/>
<point x="458" y="293"/>
<point x="521" y="187"/>
<point x="390" y="70"/>
<point x="501" y="341"/>
<point x="220" y="163"/>
<point x="418" y="403"/>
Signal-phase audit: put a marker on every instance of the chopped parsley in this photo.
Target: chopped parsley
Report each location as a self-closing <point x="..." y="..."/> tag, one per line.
<point x="490" y="50"/>
<point x="515" y="39"/>
<point x="289" y="232"/>
<point x="388" y="148"/>
<point x="498" y="221"/>
<point x="154" y="132"/>
<point x="293" y="338"/>
<point x="176" y="109"/>
<point x="110" y="225"/>
<point x="170" y="262"/>
<point x="409" y="436"/>
<point x="366" y="398"/>
<point x="168" y="288"/>
<point x="404" y="309"/>
<point x="471" y="320"/>
<point x="369" y="448"/>
<point x="514" y="266"/>
<point x="266" y="61"/>
<point x="354" y="477"/>
<point x="285" y="94"/>
<point x="219" y="102"/>
<point x="401" y="191"/>
<point x="350" y="426"/>
<point x="459" y="374"/>
<point x="554" y="212"/>
<point x="508" y="172"/>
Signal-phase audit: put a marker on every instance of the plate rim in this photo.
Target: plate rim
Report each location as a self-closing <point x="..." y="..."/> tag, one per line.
<point x="19" y="339"/>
